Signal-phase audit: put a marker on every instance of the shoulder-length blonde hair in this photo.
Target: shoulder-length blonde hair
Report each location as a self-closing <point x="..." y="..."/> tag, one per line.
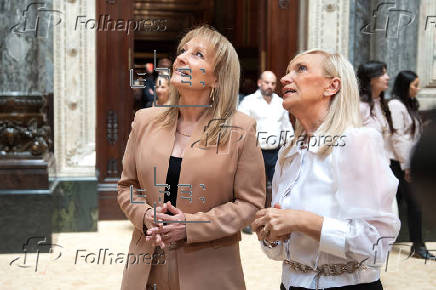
<point x="225" y="94"/>
<point x="343" y="112"/>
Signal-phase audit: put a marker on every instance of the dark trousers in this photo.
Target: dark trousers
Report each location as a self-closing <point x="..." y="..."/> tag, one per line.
<point x="269" y="159"/>
<point x="414" y="213"/>
<point x="364" y="286"/>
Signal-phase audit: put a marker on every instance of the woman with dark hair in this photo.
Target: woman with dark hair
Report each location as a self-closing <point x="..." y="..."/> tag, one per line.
<point x="407" y="127"/>
<point x="373" y="82"/>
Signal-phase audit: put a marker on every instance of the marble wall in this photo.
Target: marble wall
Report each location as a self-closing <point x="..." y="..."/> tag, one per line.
<point x="26" y="45"/>
<point x="400" y="33"/>
<point x="385" y="31"/>
<point x="75" y="205"/>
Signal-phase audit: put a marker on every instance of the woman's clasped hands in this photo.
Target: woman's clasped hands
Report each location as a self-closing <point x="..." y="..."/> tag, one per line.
<point x="169" y="229"/>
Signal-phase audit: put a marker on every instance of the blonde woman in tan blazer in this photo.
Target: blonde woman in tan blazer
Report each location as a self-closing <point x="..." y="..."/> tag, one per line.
<point x="215" y="165"/>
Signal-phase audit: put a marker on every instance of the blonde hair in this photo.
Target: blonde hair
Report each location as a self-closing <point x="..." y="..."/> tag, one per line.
<point x="225" y="94"/>
<point x="344" y="106"/>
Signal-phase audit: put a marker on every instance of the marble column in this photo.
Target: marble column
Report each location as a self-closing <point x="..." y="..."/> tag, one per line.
<point x="75" y="190"/>
<point x="426" y="56"/>
<point x="328" y="25"/>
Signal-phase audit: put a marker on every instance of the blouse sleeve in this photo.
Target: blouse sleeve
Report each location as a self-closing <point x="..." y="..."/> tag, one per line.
<point x="366" y="187"/>
<point x="275" y="253"/>
<point x="401" y="144"/>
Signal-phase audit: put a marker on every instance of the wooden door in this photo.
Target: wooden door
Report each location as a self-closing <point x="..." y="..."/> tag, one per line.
<point x="279" y="27"/>
<point x="163" y="22"/>
<point x="114" y="100"/>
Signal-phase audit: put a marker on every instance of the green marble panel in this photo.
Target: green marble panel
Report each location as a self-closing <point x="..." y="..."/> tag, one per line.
<point x="75" y="205"/>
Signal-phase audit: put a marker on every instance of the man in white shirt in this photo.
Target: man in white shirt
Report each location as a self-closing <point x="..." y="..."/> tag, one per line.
<point x="273" y="127"/>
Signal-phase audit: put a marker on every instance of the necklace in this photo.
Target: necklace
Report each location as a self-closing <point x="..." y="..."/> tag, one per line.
<point x="177" y="131"/>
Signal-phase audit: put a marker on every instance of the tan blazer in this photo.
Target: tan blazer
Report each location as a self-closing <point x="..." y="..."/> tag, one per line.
<point x="232" y="190"/>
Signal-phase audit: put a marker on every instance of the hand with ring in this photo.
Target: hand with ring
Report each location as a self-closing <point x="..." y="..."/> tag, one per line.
<point x="149" y="222"/>
<point x="173" y="231"/>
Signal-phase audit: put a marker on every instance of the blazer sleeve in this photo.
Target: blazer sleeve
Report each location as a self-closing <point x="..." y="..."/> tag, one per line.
<point x="249" y="192"/>
<point x="134" y="211"/>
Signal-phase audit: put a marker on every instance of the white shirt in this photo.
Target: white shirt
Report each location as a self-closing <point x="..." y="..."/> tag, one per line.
<point x="353" y="189"/>
<point x="378" y="121"/>
<point x="402" y="139"/>
<point x="272" y="120"/>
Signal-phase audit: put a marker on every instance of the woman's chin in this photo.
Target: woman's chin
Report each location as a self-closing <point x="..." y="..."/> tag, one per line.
<point x="287" y="106"/>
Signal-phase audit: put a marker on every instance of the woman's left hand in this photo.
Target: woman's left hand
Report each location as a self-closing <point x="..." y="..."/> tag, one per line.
<point x="273" y="224"/>
<point x="171" y="232"/>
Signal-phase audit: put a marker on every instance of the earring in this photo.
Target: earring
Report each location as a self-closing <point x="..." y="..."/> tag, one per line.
<point x="212" y="95"/>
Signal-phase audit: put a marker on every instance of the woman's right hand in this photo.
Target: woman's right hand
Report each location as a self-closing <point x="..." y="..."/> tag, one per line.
<point x="156" y="239"/>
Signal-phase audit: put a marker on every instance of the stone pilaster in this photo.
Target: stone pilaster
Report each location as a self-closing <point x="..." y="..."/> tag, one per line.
<point x="426" y="56"/>
<point x="328" y="25"/>
<point x="74" y="90"/>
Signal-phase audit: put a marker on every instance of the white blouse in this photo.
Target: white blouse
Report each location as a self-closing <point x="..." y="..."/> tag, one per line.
<point x="353" y="189"/>
<point x="378" y="121"/>
<point x="402" y="139"/>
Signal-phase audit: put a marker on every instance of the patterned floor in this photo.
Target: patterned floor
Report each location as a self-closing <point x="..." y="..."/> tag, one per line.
<point x="76" y="264"/>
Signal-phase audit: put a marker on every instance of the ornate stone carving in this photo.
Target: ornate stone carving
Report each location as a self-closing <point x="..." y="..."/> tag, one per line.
<point x="24" y="130"/>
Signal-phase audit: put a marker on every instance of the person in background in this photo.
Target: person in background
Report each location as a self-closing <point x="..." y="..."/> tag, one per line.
<point x="162" y="89"/>
<point x="147" y="92"/>
<point x="273" y="127"/>
<point x="373" y="82"/>
<point x="406" y="130"/>
<point x="332" y="197"/>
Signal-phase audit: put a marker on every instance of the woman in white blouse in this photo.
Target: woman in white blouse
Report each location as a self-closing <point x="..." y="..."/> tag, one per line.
<point x="407" y="127"/>
<point x="332" y="219"/>
<point x="374" y="110"/>
<point x="373" y="82"/>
